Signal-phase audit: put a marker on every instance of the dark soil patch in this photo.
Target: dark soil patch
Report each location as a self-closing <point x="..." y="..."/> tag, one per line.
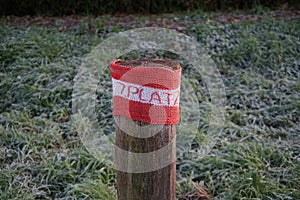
<point x="179" y="21"/>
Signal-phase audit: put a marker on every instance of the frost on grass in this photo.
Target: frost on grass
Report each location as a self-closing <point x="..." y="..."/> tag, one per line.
<point x="256" y="154"/>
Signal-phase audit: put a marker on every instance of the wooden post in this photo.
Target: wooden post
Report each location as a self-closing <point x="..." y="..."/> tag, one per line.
<point x="156" y="185"/>
<point x="159" y="183"/>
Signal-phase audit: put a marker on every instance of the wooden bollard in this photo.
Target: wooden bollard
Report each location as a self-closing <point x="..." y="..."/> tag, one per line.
<point x="146" y="111"/>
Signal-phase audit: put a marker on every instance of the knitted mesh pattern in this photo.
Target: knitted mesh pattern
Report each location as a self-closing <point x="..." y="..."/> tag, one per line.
<point x="146" y="90"/>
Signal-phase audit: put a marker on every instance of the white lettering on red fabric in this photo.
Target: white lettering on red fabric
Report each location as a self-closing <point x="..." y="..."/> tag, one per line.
<point x="145" y="94"/>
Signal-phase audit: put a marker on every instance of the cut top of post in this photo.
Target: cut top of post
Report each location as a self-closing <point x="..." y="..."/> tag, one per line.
<point x="147" y="62"/>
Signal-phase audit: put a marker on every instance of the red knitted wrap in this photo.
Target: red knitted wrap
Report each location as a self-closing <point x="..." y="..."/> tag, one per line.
<point x="148" y="93"/>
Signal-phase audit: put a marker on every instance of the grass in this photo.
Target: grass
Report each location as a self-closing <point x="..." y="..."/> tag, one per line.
<point x="257" y="155"/>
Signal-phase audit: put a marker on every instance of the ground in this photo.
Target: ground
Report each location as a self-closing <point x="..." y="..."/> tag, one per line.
<point x="257" y="155"/>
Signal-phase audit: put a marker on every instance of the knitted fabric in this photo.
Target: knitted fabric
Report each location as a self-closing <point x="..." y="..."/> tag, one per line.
<point x="147" y="93"/>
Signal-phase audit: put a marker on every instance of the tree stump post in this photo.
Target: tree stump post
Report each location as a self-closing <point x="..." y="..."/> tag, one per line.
<point x="146" y="112"/>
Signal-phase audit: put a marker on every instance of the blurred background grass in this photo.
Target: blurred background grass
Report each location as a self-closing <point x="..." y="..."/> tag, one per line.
<point x="98" y="7"/>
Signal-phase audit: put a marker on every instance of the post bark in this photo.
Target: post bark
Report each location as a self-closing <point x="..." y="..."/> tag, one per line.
<point x="155" y="185"/>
